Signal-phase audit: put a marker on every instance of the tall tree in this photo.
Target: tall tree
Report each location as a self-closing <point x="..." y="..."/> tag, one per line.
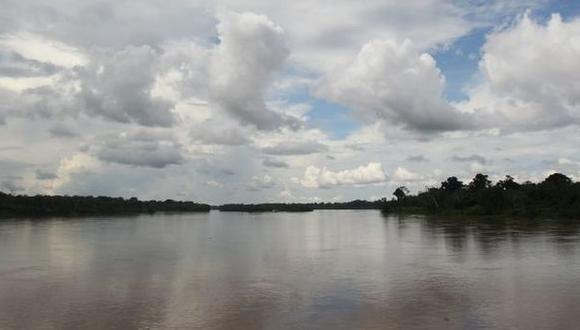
<point x="480" y="182"/>
<point x="557" y="180"/>
<point x="452" y="184"/>
<point x="401" y="192"/>
<point x="509" y="183"/>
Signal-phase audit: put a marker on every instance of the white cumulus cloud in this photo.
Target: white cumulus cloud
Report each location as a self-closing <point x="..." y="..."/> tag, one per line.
<point x="315" y="177"/>
<point x="396" y="83"/>
<point x="402" y="174"/>
<point x="530" y="79"/>
<point x="252" y="50"/>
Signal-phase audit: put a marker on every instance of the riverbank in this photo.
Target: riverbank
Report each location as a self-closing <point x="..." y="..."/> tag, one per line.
<point x="42" y="205"/>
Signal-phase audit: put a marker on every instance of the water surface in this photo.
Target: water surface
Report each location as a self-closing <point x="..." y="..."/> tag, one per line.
<point x="318" y="270"/>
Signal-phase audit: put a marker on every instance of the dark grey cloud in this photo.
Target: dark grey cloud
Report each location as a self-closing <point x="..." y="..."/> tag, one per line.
<point x="563" y="164"/>
<point x="9" y="165"/>
<point x="114" y="85"/>
<point x="10" y="186"/>
<point x="10" y="148"/>
<point x="339" y="37"/>
<point x="473" y="158"/>
<point x="417" y="158"/>
<point x="212" y="171"/>
<point x="140" y="148"/>
<point x="354" y="147"/>
<point x="46" y="102"/>
<point x="12" y="64"/>
<point x="45" y="175"/>
<point x="213" y="132"/>
<point x="7" y="106"/>
<point x="117" y="86"/>
<point x="261" y="183"/>
<point x="288" y="148"/>
<point x="60" y="130"/>
<point x="151" y="155"/>
<point x="225" y="171"/>
<point x="148" y="22"/>
<point x="274" y="163"/>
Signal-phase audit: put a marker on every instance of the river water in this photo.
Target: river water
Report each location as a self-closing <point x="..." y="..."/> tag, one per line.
<point x="317" y="270"/>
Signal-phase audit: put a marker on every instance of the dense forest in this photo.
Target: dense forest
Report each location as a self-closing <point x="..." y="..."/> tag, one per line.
<point x="266" y="207"/>
<point x="556" y="196"/>
<point x="302" y="207"/>
<point x="14" y="205"/>
<point x="352" y="205"/>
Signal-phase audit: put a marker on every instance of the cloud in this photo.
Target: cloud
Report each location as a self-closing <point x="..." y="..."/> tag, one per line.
<point x="321" y="41"/>
<point x="44" y="175"/>
<point x="11" y="187"/>
<point x="473" y="158"/>
<point x="519" y="90"/>
<point x="274" y="163"/>
<point x="119" y="24"/>
<point x="402" y="174"/>
<point x="40" y="54"/>
<point x="60" y="130"/>
<point x="393" y="82"/>
<point x="117" y="86"/>
<point x="287" y="148"/>
<point x="141" y="148"/>
<point x="220" y="133"/>
<point x="315" y="177"/>
<point x="354" y="147"/>
<point x="13" y="64"/>
<point x="237" y="89"/>
<point x="6" y="106"/>
<point x="213" y="183"/>
<point x="523" y="88"/>
<point x="113" y="85"/>
<point x="49" y="102"/>
<point x="73" y="168"/>
<point x="417" y="158"/>
<point x="251" y="51"/>
<point x="261" y="182"/>
<point x="184" y="69"/>
<point x="137" y="84"/>
<point x="40" y="102"/>
<point x="235" y="75"/>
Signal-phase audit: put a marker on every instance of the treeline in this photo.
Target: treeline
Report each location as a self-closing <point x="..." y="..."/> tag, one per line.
<point x="302" y="207"/>
<point x="266" y="207"/>
<point x="556" y="196"/>
<point x="352" y="205"/>
<point x="40" y="205"/>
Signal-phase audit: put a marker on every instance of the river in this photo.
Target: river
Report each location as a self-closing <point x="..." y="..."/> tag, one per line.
<point x="316" y="270"/>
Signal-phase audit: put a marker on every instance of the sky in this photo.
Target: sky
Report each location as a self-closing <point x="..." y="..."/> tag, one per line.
<point x="284" y="101"/>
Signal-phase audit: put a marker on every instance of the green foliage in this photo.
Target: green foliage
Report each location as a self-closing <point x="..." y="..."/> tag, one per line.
<point x="451" y="185"/>
<point x="401" y="192"/>
<point x="479" y="183"/>
<point x="556" y="196"/>
<point x="39" y="205"/>
<point x="302" y="207"/>
<point x="267" y="207"/>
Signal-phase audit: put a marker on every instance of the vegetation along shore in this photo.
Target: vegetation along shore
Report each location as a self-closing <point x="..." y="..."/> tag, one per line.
<point x="556" y="196"/>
